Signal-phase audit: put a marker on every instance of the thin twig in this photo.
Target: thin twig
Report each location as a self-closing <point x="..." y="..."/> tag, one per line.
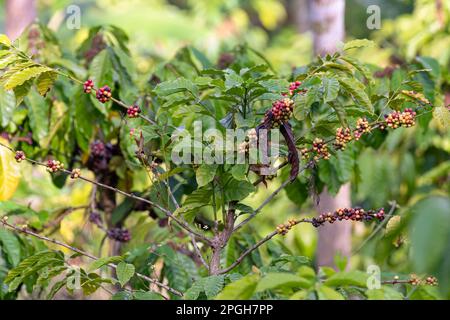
<point x="377" y="229"/>
<point x="84" y="253"/>
<point x="256" y="246"/>
<point x="168" y="213"/>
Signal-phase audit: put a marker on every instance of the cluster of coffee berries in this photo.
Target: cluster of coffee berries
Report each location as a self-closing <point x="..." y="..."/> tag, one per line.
<point x="133" y="111"/>
<point x="98" y="149"/>
<point x="54" y="165"/>
<point x="320" y="149"/>
<point x="416" y="95"/>
<point x="250" y="140"/>
<point x="103" y="94"/>
<point x="75" y="174"/>
<point x="343" y="136"/>
<point x="283" y="229"/>
<point x="293" y="87"/>
<point x="88" y="86"/>
<point x="398" y="119"/>
<point x="362" y="126"/>
<point x="282" y="111"/>
<point x="431" y="281"/>
<point x="354" y="214"/>
<point x="119" y="234"/>
<point x="20" y="156"/>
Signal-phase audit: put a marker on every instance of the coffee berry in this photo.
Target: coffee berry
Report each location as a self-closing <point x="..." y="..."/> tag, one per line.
<point x="354" y="214"/>
<point x="133" y="111"/>
<point x="397" y="119"/>
<point x="362" y="126"/>
<point x="54" y="165"/>
<point x="75" y="174"/>
<point x="103" y="94"/>
<point x="119" y="234"/>
<point x="343" y="136"/>
<point x="321" y="149"/>
<point x="20" y="156"/>
<point x="88" y="86"/>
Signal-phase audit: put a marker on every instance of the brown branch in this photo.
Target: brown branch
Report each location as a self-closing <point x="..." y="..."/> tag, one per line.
<point x="84" y="253"/>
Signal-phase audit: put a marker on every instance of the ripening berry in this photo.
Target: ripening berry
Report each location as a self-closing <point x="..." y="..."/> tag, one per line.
<point x="354" y="214"/>
<point x="119" y="234"/>
<point x="54" y="165"/>
<point x="98" y="149"/>
<point x="417" y="96"/>
<point x="431" y="281"/>
<point x="293" y="86"/>
<point x="321" y="149"/>
<point x="88" y="86"/>
<point x="397" y="119"/>
<point x="281" y="111"/>
<point x="414" y="280"/>
<point x="362" y="126"/>
<point x="103" y="94"/>
<point x="75" y="174"/>
<point x="20" y="156"/>
<point x="343" y="136"/>
<point x="133" y="111"/>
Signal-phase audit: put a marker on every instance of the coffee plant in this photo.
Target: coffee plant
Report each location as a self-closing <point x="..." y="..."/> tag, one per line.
<point x="184" y="230"/>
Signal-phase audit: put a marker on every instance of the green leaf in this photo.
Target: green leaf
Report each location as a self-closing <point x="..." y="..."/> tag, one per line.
<point x="282" y="279"/>
<point x="205" y="174"/>
<point x="385" y="293"/>
<point x="147" y="295"/>
<point x="124" y="272"/>
<point x="350" y="278"/>
<point x="7" y="104"/>
<point x="22" y="91"/>
<point x="174" y="86"/>
<point x="331" y="89"/>
<point x="19" y="77"/>
<point x="239" y="171"/>
<point x="327" y="293"/>
<point x="241" y="289"/>
<point x="11" y="246"/>
<point x="103" y="261"/>
<point x="195" y="290"/>
<point x="429" y="233"/>
<point x="213" y="285"/>
<point x="238" y="190"/>
<point x="100" y="69"/>
<point x="55" y="288"/>
<point x="232" y="79"/>
<point x="357" y="90"/>
<point x="358" y="43"/>
<point x="45" y="81"/>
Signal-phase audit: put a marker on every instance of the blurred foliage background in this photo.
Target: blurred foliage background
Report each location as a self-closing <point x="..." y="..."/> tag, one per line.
<point x="410" y="166"/>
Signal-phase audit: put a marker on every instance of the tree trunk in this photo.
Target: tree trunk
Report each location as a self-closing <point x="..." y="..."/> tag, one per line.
<point x="19" y="14"/>
<point x="298" y="14"/>
<point x="327" y="22"/>
<point x="328" y="27"/>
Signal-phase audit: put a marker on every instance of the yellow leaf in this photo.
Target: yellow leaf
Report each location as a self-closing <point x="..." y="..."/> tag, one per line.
<point x="9" y="173"/>
<point x="442" y="117"/>
<point x="5" y="40"/>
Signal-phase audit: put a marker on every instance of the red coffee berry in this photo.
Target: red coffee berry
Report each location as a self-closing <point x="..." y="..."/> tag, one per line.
<point x="281" y="111"/>
<point x="133" y="111"/>
<point x="293" y="88"/>
<point x="88" y="86"/>
<point x="431" y="281"/>
<point x="54" y="165"/>
<point x="98" y="149"/>
<point x="119" y="234"/>
<point x="103" y="94"/>
<point x="20" y="156"/>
